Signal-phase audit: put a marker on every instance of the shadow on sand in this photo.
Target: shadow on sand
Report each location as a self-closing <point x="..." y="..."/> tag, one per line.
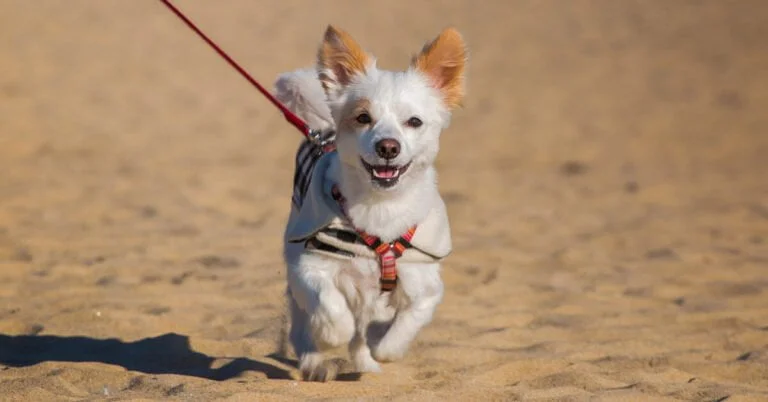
<point x="165" y="354"/>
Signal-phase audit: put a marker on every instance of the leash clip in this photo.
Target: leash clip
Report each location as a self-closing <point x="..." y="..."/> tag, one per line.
<point x="321" y="139"/>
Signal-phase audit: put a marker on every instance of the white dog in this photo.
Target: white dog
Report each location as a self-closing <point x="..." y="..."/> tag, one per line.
<point x="368" y="227"/>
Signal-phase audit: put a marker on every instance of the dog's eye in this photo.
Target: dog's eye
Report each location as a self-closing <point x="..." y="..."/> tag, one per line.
<point x="414" y="122"/>
<point x="364" y="118"/>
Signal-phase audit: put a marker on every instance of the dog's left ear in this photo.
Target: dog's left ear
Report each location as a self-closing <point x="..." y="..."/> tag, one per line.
<point x="444" y="60"/>
<point x="340" y="58"/>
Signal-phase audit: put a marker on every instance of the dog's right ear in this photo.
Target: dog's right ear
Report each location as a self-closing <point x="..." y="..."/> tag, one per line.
<point x="340" y="58"/>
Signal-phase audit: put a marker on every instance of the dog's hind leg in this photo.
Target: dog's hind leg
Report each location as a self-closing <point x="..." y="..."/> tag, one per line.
<point x="421" y="287"/>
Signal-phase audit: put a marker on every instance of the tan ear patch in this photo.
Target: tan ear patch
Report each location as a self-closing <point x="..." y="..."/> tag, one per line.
<point x="444" y="60"/>
<point x="341" y="55"/>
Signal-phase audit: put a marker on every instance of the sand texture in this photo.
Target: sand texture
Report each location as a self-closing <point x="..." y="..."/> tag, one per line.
<point x="607" y="184"/>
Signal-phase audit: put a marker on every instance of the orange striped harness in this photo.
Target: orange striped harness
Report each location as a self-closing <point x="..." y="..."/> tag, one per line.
<point x="388" y="252"/>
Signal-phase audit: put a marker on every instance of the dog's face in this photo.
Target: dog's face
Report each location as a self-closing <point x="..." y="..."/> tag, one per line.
<point x="388" y="123"/>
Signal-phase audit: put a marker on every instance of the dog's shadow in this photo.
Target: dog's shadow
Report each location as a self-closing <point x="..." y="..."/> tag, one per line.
<point x="165" y="354"/>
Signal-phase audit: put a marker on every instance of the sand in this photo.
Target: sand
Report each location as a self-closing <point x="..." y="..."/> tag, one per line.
<point x="606" y="183"/>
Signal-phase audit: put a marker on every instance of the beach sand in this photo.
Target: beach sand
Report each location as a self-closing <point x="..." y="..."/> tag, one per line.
<point x="605" y="180"/>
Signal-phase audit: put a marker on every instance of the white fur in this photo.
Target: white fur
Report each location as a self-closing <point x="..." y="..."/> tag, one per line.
<point x="301" y="92"/>
<point x="339" y="303"/>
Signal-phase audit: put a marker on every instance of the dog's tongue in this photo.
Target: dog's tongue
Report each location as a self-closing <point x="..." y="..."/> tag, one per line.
<point x="385" y="172"/>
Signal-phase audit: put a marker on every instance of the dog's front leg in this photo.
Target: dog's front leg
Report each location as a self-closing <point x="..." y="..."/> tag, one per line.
<point x="321" y="318"/>
<point x="360" y="351"/>
<point x="422" y="288"/>
<point x="361" y="288"/>
<point x="359" y="348"/>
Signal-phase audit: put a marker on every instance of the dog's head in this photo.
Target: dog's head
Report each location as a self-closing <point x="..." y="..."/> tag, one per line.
<point x="388" y="123"/>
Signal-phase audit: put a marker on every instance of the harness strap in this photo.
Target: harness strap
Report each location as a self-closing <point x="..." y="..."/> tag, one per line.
<point x="388" y="252"/>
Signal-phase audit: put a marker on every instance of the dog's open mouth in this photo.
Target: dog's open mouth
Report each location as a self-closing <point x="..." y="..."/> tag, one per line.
<point x="385" y="175"/>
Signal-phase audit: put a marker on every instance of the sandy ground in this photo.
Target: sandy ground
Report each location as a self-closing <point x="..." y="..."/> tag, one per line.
<point x="606" y="183"/>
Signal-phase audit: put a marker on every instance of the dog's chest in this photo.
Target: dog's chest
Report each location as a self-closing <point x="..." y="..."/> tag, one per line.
<point x="358" y="280"/>
<point x="360" y="273"/>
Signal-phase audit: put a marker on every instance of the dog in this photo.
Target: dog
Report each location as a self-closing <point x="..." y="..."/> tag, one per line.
<point x="367" y="228"/>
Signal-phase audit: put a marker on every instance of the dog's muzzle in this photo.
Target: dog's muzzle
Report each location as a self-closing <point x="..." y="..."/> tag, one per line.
<point x="386" y="175"/>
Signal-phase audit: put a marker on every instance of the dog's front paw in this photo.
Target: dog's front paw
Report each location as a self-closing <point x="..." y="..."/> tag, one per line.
<point x="369" y="367"/>
<point x="364" y="363"/>
<point x="314" y="367"/>
<point x="388" y="351"/>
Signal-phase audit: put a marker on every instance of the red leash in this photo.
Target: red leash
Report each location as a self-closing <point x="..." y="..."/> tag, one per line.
<point x="296" y="121"/>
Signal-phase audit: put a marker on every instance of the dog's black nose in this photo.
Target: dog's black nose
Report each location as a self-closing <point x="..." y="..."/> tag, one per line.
<point x="388" y="148"/>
